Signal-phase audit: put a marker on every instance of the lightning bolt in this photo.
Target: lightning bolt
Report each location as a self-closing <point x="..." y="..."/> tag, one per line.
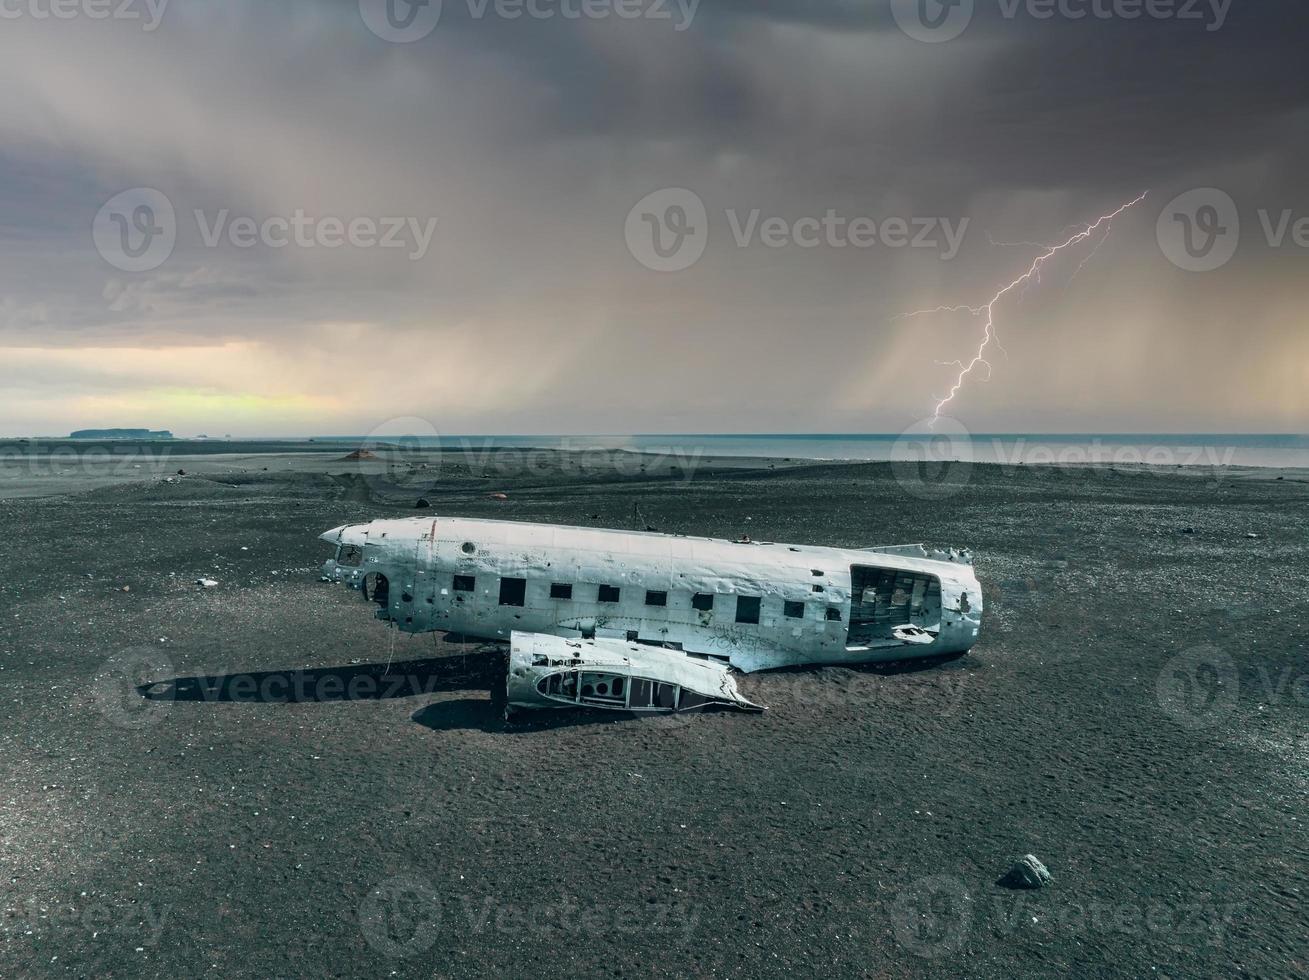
<point x="1033" y="273"/>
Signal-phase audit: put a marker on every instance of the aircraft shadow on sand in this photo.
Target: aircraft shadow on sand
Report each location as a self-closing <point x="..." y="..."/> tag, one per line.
<point x="481" y="670"/>
<point x="356" y="682"/>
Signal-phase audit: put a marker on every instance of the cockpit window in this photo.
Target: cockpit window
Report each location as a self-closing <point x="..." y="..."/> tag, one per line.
<point x="350" y="556"/>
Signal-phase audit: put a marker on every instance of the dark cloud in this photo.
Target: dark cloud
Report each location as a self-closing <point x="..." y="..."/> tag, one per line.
<point x="530" y="140"/>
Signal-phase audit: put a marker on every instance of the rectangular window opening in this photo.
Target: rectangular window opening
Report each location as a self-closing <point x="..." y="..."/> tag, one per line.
<point x="747" y="609"/>
<point x="653" y="598"/>
<point x="608" y="593"/>
<point x="465" y="583"/>
<point x="561" y="590"/>
<point x="513" y="591"/>
<point x="793" y="610"/>
<point x="704" y="601"/>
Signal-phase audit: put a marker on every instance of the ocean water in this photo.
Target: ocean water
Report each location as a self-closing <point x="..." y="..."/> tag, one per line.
<point x="1172" y="450"/>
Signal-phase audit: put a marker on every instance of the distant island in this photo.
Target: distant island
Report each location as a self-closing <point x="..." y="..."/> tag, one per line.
<point x="121" y="434"/>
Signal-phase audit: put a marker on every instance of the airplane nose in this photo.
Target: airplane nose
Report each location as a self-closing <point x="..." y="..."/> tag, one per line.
<point x="334" y="535"/>
<point x="352" y="534"/>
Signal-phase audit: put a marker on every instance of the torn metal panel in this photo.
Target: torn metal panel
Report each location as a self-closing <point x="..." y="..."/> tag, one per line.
<point x="553" y="672"/>
<point x="960" y="555"/>
<point x="754" y="605"/>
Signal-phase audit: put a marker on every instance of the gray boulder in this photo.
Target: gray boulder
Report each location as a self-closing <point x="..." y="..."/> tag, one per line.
<point x="1028" y="872"/>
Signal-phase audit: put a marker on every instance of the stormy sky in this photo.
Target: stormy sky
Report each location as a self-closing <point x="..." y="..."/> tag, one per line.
<point x="314" y="217"/>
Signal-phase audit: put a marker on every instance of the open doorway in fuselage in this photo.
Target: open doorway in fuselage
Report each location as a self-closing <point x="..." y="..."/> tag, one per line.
<point x="890" y="606"/>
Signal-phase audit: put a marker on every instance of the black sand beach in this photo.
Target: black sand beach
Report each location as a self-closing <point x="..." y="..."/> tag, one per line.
<point x="302" y="791"/>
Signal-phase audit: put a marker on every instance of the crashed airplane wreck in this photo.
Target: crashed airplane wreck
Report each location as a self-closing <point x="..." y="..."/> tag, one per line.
<point x="644" y="622"/>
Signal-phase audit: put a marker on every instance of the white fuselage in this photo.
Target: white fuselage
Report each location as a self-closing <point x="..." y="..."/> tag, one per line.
<point x="755" y="605"/>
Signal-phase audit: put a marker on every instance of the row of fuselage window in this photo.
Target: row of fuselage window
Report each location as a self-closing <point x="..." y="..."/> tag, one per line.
<point x="513" y="592"/>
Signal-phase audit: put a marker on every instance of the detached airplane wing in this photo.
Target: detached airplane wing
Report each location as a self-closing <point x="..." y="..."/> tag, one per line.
<point x="548" y="671"/>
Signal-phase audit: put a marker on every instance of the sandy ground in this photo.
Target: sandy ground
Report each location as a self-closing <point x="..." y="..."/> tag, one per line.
<point x="283" y="803"/>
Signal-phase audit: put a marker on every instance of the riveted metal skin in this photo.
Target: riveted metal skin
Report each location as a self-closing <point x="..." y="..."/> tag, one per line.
<point x="751" y="605"/>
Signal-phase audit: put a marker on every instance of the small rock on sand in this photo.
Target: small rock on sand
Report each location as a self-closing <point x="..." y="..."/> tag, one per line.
<point x="1027" y="872"/>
